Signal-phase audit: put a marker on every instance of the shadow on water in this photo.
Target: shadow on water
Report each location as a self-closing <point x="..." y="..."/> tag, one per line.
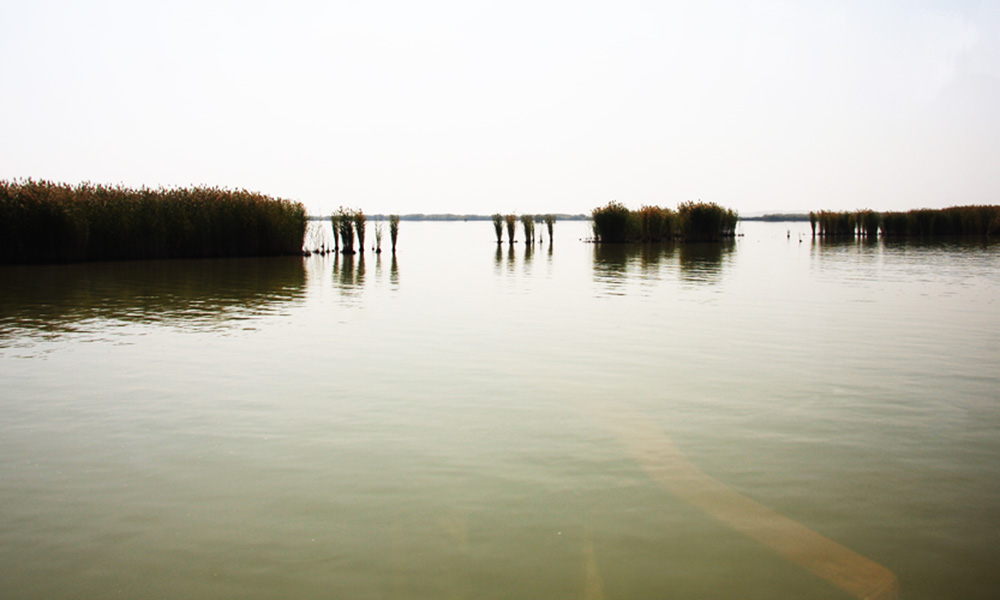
<point x="53" y="300"/>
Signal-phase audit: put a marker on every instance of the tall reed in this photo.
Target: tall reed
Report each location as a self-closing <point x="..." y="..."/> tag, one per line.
<point x="550" y="221"/>
<point x="511" y="221"/>
<point x="42" y="221"/>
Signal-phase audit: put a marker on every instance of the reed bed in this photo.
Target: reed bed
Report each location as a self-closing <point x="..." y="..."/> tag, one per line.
<point x="42" y="221"/>
<point x="836" y="224"/>
<point x="692" y="221"/>
<point x="981" y="220"/>
<point x="868" y="222"/>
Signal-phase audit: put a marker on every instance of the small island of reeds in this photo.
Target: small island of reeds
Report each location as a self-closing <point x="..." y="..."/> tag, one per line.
<point x="44" y="222"/>
<point x="692" y="221"/>
<point x="983" y="220"/>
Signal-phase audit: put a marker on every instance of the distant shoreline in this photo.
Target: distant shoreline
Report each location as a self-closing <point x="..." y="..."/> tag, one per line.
<point x="454" y="217"/>
<point x="779" y="217"/>
<point x="559" y="217"/>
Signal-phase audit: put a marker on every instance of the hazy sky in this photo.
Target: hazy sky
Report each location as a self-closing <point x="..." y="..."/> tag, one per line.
<point x="479" y="107"/>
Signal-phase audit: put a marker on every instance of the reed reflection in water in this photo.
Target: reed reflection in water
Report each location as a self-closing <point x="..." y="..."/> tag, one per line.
<point x="53" y="300"/>
<point x="616" y="265"/>
<point x="704" y="262"/>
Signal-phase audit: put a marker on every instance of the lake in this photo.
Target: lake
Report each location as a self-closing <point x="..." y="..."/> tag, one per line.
<point x="772" y="417"/>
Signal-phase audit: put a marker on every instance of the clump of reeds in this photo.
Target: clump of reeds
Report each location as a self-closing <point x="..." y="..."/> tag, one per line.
<point x="812" y="222"/>
<point x="550" y="221"/>
<point x="345" y="223"/>
<point x="335" y="226"/>
<point x="956" y="220"/>
<point x="614" y="223"/>
<point x="657" y="224"/>
<point x="693" y="221"/>
<point x="706" y="221"/>
<point x="529" y="228"/>
<point x="868" y="223"/>
<point x="379" y="226"/>
<point x="393" y="230"/>
<point x="511" y="221"/>
<point x="498" y="227"/>
<point x="837" y="224"/>
<point x="360" y="222"/>
<point x="42" y="221"/>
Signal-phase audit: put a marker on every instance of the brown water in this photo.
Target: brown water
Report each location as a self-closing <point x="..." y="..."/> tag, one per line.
<point x="770" y="418"/>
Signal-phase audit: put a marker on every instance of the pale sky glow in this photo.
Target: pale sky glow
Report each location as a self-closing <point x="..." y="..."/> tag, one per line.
<point x="480" y="107"/>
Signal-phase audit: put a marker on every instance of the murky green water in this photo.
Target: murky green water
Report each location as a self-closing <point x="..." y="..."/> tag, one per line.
<point x="772" y="418"/>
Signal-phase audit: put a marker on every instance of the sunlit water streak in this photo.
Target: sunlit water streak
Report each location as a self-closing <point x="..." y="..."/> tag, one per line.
<point x="423" y="425"/>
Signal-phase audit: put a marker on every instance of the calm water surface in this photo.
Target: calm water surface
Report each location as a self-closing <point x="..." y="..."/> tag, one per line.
<point x="769" y="418"/>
